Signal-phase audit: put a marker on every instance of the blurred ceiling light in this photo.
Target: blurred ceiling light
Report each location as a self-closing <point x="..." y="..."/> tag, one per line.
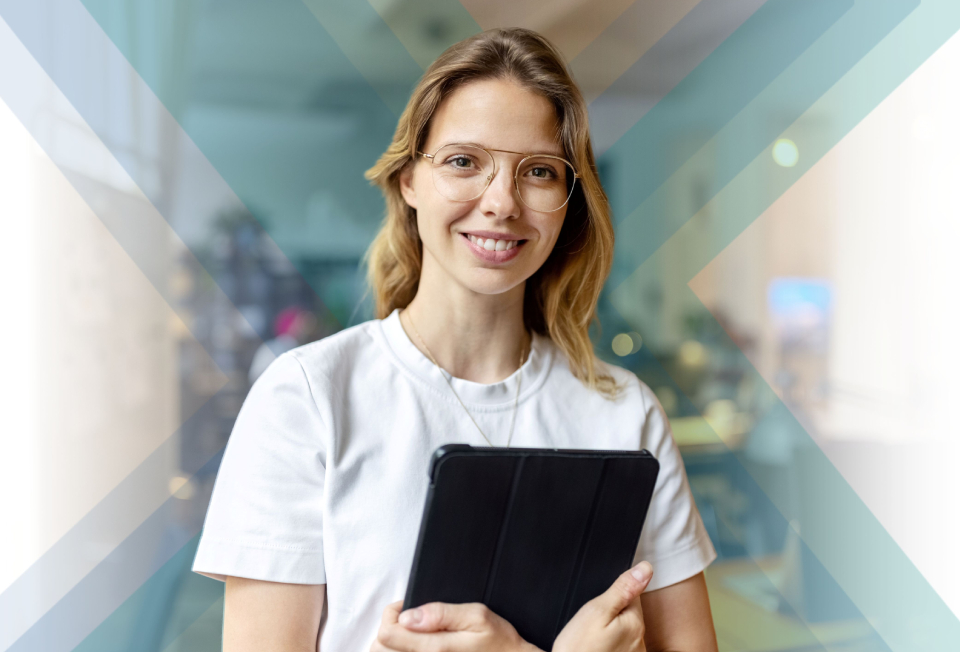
<point x="627" y="343"/>
<point x="785" y="153"/>
<point x="692" y="354"/>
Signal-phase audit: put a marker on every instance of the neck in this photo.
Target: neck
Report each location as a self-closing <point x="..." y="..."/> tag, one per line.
<point x="473" y="336"/>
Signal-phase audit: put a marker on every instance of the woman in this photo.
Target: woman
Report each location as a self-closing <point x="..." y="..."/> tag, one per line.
<point x="486" y="275"/>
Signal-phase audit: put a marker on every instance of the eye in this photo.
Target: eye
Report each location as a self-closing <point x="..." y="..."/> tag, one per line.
<point x="460" y="161"/>
<point x="544" y="172"/>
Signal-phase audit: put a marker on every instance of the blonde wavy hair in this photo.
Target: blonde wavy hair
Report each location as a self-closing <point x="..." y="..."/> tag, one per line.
<point x="560" y="298"/>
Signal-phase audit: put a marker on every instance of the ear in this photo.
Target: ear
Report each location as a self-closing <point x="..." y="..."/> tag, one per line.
<point x="406" y="186"/>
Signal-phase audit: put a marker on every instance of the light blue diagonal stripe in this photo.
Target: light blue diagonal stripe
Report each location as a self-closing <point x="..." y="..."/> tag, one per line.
<point x="265" y="162"/>
<point x="35" y="25"/>
<point x="662" y="67"/>
<point x="734" y="74"/>
<point x="115" y="579"/>
<point x="741" y="136"/>
<point x="88" y="599"/>
<point x="851" y="544"/>
<point x="371" y="46"/>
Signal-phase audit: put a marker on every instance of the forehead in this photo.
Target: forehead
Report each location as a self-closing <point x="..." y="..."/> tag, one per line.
<point x="498" y="114"/>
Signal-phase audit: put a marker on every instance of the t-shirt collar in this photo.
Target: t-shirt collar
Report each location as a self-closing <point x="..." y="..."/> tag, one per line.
<point x="494" y="395"/>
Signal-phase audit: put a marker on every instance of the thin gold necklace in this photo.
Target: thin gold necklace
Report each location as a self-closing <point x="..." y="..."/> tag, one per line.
<point x="516" y="399"/>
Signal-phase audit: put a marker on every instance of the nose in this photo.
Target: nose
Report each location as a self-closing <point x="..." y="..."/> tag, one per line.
<point x="500" y="198"/>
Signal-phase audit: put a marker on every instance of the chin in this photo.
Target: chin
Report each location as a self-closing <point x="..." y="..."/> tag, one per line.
<point x="495" y="282"/>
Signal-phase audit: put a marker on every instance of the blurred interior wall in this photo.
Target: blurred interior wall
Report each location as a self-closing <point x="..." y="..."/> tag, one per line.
<point x="91" y="384"/>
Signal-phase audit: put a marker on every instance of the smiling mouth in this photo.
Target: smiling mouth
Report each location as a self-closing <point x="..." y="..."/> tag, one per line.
<point x="493" y="245"/>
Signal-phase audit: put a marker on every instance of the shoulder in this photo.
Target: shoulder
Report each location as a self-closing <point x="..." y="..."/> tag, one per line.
<point x="330" y="357"/>
<point x="634" y="393"/>
<point x="318" y="371"/>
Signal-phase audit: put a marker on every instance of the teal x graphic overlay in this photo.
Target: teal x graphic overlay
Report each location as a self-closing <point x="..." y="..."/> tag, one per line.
<point x="840" y="57"/>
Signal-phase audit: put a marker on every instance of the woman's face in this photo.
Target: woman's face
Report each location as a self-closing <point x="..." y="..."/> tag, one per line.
<point x="495" y="114"/>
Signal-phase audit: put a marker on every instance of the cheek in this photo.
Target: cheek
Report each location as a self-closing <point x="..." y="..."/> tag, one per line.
<point x="435" y="218"/>
<point x="552" y="230"/>
<point x="435" y="213"/>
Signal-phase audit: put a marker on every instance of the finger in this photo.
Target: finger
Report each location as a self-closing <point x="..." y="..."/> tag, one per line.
<point x="624" y="590"/>
<point x="391" y="613"/>
<point x="632" y="615"/>
<point x="442" y="616"/>
<point x="388" y="621"/>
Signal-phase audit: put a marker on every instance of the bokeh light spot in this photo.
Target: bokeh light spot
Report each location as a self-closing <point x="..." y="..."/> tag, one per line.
<point x="623" y="344"/>
<point x="692" y="354"/>
<point x="785" y="153"/>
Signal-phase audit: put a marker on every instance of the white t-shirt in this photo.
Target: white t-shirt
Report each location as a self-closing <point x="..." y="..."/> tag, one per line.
<point x="324" y="477"/>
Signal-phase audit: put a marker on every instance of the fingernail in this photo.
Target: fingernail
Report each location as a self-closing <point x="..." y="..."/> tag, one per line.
<point x="411" y="617"/>
<point x="642" y="572"/>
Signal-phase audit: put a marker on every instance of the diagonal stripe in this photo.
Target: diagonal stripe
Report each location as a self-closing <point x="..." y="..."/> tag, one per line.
<point x="25" y="86"/>
<point x="719" y="88"/>
<point x="28" y="92"/>
<point x="570" y="25"/>
<point x="426" y="28"/>
<point x="618" y="47"/>
<point x="851" y="564"/>
<point x="741" y="138"/>
<point x="162" y="609"/>
<point x="205" y="632"/>
<point x="67" y="569"/>
<point x="121" y="510"/>
<point x="848" y="540"/>
<point x="371" y="46"/>
<point x="648" y="80"/>
<point x="252" y="177"/>
<point x="831" y="602"/>
<point x="141" y="555"/>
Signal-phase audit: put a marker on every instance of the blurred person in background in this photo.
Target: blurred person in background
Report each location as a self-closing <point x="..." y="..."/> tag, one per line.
<point x="292" y="327"/>
<point x="486" y="275"/>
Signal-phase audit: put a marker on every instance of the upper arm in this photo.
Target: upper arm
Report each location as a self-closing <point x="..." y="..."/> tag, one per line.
<point x="677" y="617"/>
<point x="263" y="616"/>
<point x="265" y="517"/>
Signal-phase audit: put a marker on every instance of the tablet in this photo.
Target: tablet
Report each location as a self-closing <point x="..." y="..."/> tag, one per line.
<point x="533" y="534"/>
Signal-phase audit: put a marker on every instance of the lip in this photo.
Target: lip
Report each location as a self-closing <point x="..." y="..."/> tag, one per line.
<point x="493" y="234"/>
<point x="492" y="256"/>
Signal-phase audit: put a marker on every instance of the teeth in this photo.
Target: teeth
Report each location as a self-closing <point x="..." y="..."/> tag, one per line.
<point x="492" y="245"/>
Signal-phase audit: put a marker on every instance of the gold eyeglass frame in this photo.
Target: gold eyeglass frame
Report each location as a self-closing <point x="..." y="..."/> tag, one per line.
<point x="516" y="182"/>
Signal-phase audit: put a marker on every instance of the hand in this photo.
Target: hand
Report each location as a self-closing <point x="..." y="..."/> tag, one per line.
<point x="611" y="622"/>
<point x="448" y="627"/>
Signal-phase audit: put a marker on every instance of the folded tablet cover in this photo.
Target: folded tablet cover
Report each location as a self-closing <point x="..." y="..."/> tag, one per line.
<point x="532" y="533"/>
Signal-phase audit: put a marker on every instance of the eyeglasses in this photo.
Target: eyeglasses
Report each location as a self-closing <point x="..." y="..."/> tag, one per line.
<point x="463" y="172"/>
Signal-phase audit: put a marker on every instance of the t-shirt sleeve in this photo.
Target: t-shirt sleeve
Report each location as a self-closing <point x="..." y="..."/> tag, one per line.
<point x="265" y="518"/>
<point x="673" y="539"/>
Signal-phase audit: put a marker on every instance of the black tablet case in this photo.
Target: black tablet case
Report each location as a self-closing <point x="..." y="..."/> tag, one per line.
<point x="533" y="534"/>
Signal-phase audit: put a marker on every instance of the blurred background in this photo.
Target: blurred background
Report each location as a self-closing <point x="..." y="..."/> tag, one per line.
<point x="182" y="199"/>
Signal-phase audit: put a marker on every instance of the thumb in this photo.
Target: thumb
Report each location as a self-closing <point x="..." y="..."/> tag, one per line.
<point x="625" y="589"/>
<point x="442" y="616"/>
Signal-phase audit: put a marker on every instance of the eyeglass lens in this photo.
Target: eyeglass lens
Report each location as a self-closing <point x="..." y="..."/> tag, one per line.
<point x="462" y="172"/>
